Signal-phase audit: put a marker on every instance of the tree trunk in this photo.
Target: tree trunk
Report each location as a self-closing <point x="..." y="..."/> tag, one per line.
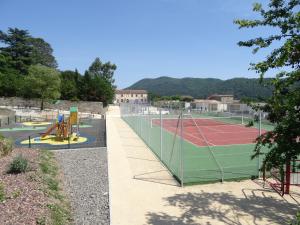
<point x="42" y="104"/>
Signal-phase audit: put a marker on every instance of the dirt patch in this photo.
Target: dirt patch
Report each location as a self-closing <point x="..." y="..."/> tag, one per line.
<point x="26" y="198"/>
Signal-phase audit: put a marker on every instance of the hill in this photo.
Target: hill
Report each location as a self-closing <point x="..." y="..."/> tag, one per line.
<point x="203" y="87"/>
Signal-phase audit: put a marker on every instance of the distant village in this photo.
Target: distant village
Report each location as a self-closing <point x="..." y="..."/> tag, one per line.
<point x="213" y="103"/>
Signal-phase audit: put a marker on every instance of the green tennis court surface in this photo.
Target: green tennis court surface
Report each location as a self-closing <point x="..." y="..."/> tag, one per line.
<point x="201" y="149"/>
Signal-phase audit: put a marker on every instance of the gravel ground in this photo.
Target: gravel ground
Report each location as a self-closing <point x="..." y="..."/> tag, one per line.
<point x="86" y="182"/>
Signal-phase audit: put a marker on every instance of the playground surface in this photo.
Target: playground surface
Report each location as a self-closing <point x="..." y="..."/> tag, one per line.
<point x="154" y="197"/>
<point x="92" y="134"/>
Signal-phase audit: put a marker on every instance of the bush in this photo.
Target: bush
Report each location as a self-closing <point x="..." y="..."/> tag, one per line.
<point x="2" y="193"/>
<point x="5" y="146"/>
<point x="18" y="165"/>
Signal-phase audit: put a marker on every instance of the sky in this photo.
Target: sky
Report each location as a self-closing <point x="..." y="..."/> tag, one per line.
<point x="144" y="38"/>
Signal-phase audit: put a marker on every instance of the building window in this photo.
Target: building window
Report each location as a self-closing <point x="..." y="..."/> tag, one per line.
<point x="127" y="100"/>
<point x="131" y="95"/>
<point x="141" y="95"/>
<point x="121" y="95"/>
<point x="121" y="100"/>
<point x="136" y="95"/>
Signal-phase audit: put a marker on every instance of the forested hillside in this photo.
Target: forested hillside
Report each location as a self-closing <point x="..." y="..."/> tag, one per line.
<point x="203" y="87"/>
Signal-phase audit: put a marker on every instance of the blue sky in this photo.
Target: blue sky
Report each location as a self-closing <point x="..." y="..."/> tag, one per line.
<point x="144" y="38"/>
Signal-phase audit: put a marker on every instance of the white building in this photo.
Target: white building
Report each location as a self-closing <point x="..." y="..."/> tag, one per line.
<point x="131" y="96"/>
<point x="206" y="105"/>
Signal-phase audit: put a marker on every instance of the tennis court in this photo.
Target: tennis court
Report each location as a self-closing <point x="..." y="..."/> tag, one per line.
<point x="216" y="130"/>
<point x="197" y="148"/>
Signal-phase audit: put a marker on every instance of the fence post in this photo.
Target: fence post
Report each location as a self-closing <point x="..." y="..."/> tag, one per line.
<point x="149" y="125"/>
<point x="8" y="120"/>
<point x="0" y="122"/>
<point x="259" y="133"/>
<point x="29" y="142"/>
<point x="69" y="141"/>
<point x="161" y="127"/>
<point x="181" y="148"/>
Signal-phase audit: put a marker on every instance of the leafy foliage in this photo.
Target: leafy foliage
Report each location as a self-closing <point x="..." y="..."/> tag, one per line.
<point x="5" y="146"/>
<point x="283" y="107"/>
<point x="98" y="82"/>
<point x="42" y="82"/>
<point x="18" y="165"/>
<point x="2" y="193"/>
<point x="28" y="69"/>
<point x="42" y="53"/>
<point x="203" y="87"/>
<point x="69" y="85"/>
<point x="18" y="48"/>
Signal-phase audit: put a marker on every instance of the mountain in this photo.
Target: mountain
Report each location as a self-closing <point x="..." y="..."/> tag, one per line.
<point x="203" y="87"/>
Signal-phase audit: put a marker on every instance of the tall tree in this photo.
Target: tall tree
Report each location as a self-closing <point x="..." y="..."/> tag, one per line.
<point x="9" y="77"/>
<point x="69" y="88"/>
<point x="283" y="107"/>
<point x="104" y="70"/>
<point x="17" y="47"/>
<point x="100" y="82"/>
<point x="42" y="82"/>
<point x="42" y="53"/>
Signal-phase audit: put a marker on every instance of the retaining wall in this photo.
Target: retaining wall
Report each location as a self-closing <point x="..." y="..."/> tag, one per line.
<point x="83" y="106"/>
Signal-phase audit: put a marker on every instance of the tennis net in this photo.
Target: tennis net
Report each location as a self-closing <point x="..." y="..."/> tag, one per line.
<point x="207" y="121"/>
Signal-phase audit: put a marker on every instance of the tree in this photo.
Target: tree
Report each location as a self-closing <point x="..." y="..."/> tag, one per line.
<point x="283" y="107"/>
<point x="18" y="48"/>
<point x="69" y="88"/>
<point x="42" y="53"/>
<point x="104" y="70"/>
<point x="99" y="82"/>
<point x="9" y="78"/>
<point x="42" y="82"/>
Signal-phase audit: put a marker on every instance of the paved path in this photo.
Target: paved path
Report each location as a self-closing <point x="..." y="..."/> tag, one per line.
<point x="143" y="192"/>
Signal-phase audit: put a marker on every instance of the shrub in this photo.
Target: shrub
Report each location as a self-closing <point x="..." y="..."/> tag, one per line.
<point x="18" y="165"/>
<point x="5" y="146"/>
<point x="2" y="193"/>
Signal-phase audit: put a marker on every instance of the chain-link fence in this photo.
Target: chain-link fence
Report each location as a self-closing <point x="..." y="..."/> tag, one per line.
<point x="199" y="146"/>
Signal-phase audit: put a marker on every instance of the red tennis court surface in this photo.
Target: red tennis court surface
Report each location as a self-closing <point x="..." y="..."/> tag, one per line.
<point x="215" y="132"/>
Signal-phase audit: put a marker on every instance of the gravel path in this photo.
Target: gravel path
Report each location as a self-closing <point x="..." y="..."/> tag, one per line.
<point x="86" y="182"/>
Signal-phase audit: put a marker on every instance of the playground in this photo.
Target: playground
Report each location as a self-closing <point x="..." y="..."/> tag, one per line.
<point x="64" y="130"/>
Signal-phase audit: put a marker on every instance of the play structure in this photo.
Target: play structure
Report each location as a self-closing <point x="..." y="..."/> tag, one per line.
<point x="63" y="128"/>
<point x="283" y="178"/>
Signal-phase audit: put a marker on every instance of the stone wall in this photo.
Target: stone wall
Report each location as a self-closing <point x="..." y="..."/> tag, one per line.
<point x="6" y="112"/>
<point x="83" y="106"/>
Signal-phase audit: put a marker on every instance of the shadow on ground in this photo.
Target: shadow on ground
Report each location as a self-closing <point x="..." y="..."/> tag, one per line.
<point x="225" y="208"/>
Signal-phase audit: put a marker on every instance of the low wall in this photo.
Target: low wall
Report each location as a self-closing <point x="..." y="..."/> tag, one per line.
<point x="83" y="106"/>
<point x="6" y="113"/>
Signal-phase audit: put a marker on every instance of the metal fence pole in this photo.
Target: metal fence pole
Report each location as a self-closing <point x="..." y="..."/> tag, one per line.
<point x="29" y="142"/>
<point x="69" y="146"/>
<point x="181" y="149"/>
<point x="259" y="133"/>
<point x="161" y="141"/>
<point x="149" y="125"/>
